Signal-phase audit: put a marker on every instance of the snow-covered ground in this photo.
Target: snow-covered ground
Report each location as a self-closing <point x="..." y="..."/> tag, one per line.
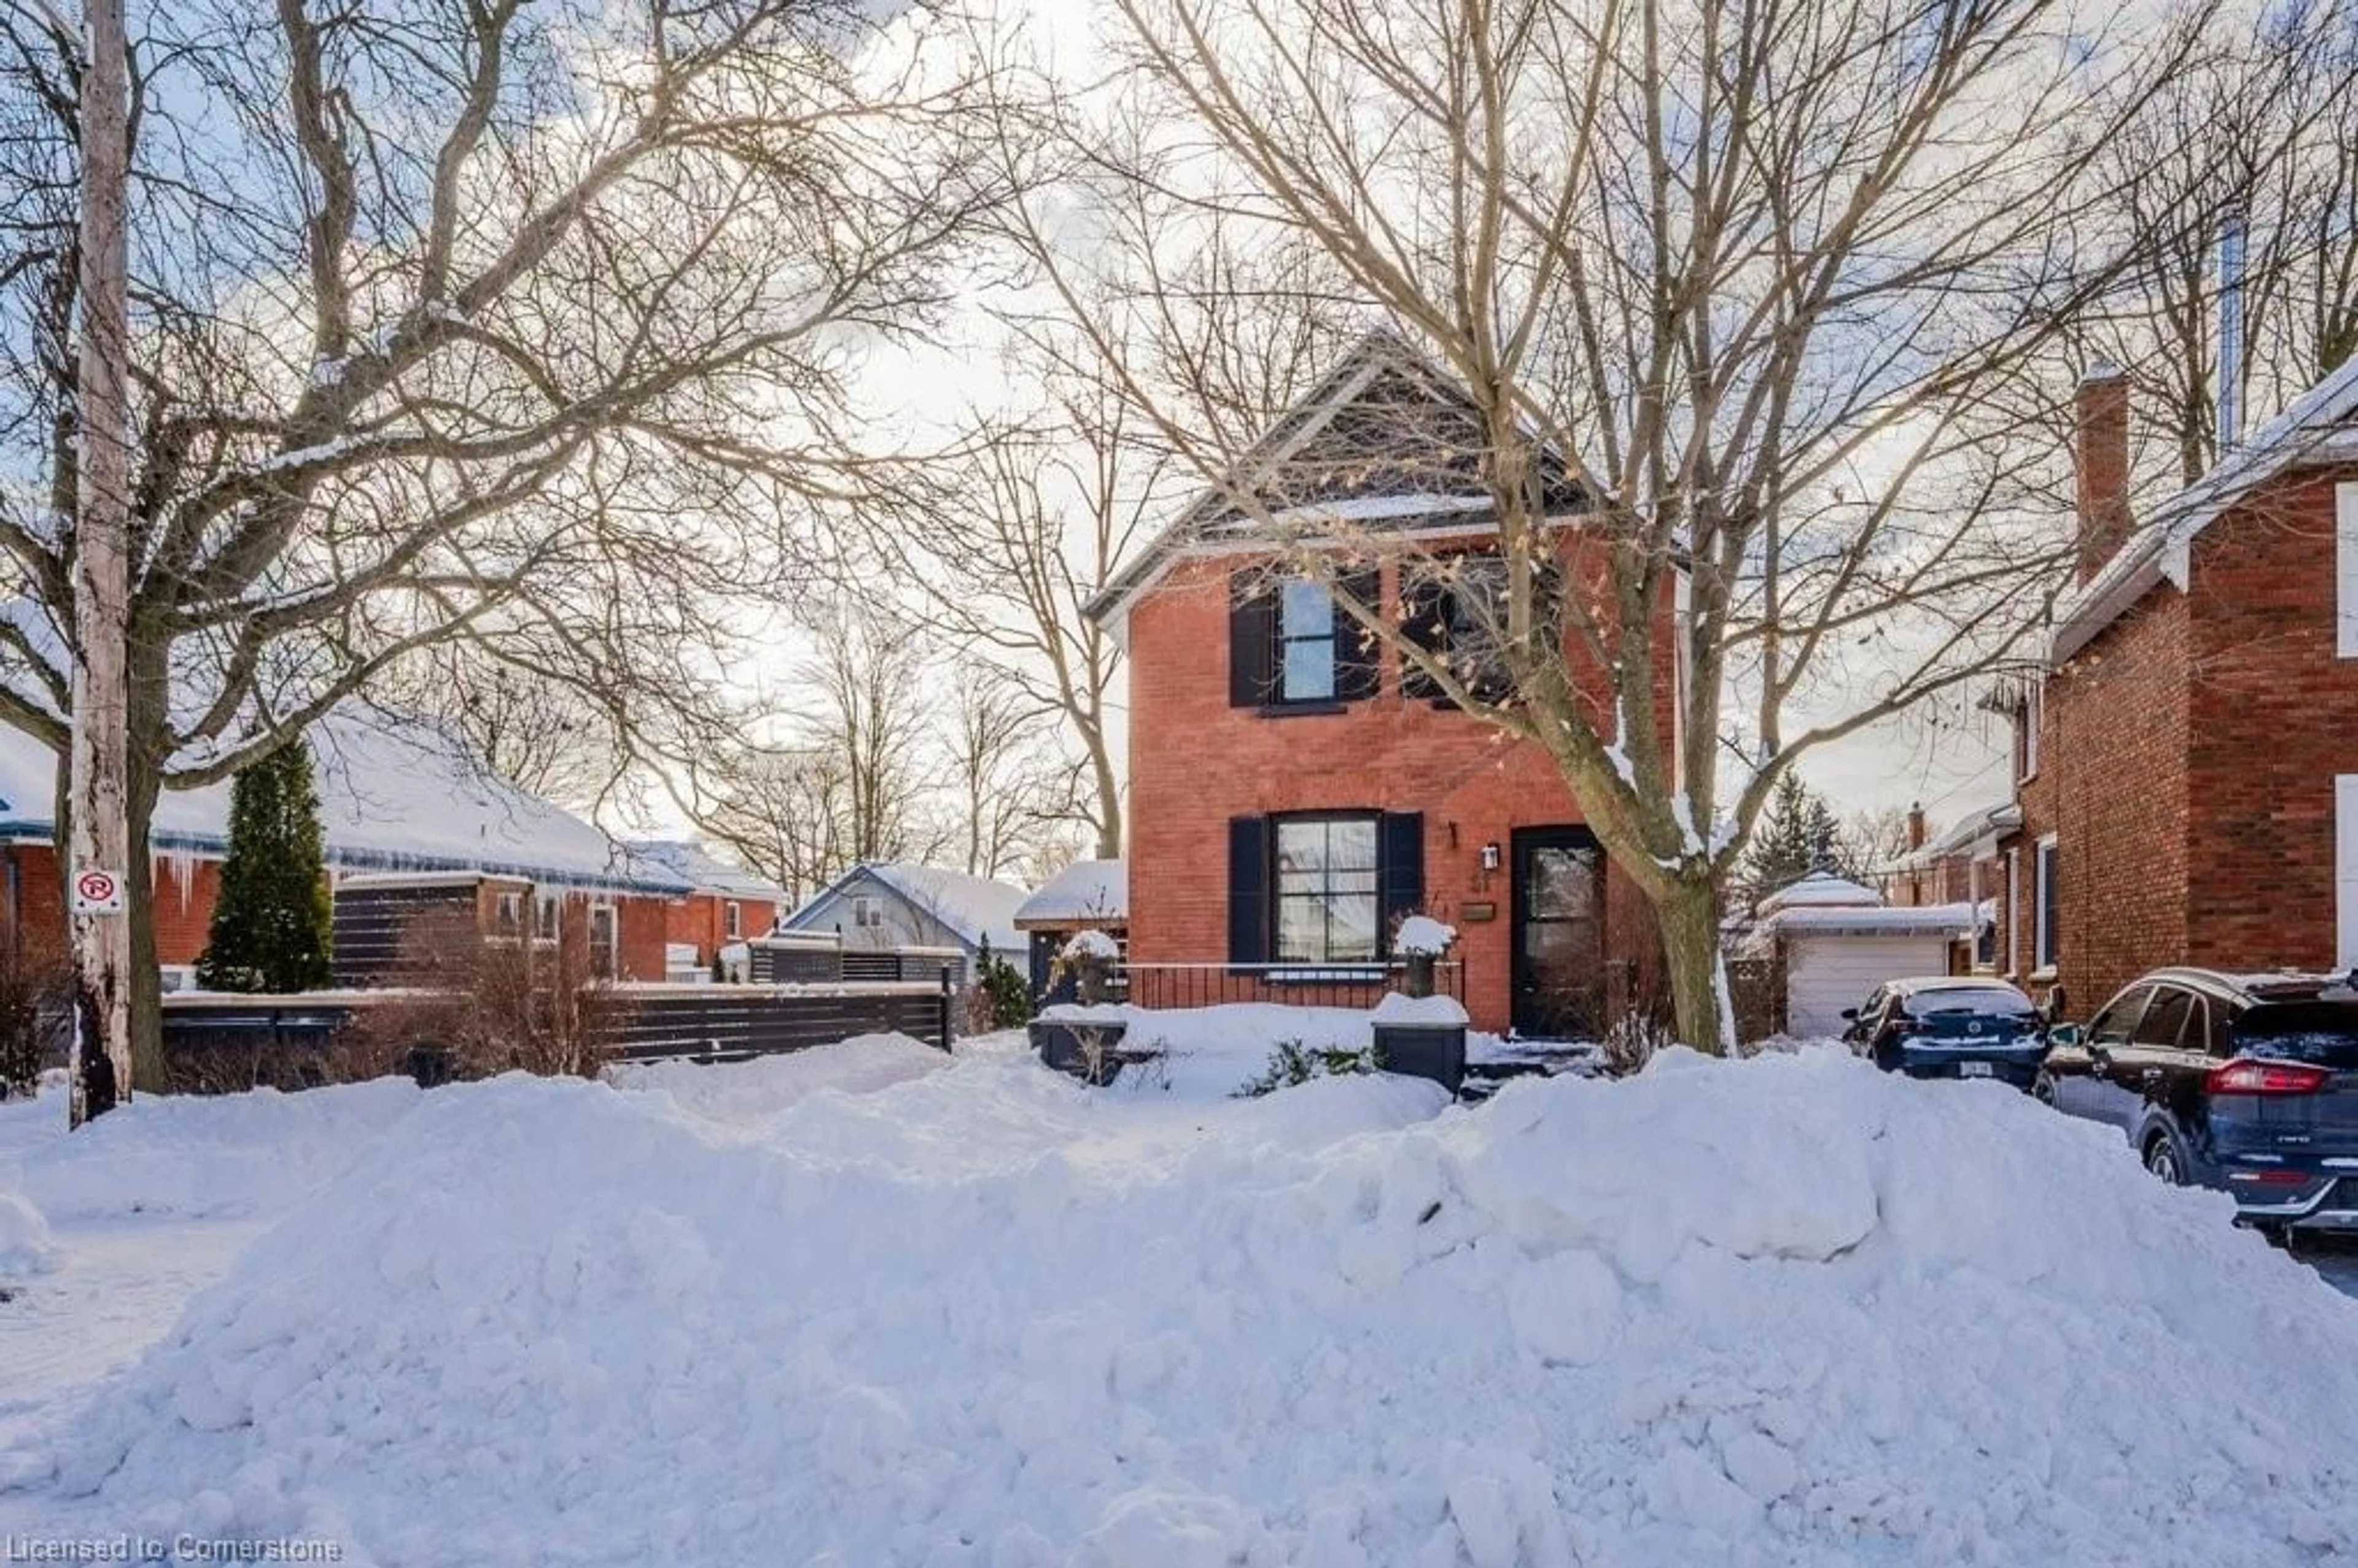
<point x="874" y="1305"/>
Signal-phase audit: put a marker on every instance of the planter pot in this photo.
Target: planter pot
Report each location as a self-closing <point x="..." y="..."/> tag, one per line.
<point x="1065" y="1046"/>
<point x="1435" y="1051"/>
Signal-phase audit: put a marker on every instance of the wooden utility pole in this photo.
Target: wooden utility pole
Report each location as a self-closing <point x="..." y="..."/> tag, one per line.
<point x="100" y="856"/>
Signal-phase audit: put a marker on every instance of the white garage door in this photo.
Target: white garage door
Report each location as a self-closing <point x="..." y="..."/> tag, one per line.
<point x="1826" y="974"/>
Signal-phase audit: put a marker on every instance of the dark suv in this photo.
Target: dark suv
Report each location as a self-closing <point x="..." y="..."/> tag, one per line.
<point x="2247" y="1083"/>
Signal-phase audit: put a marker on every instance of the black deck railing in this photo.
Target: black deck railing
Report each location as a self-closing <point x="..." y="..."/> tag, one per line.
<point x="1299" y="985"/>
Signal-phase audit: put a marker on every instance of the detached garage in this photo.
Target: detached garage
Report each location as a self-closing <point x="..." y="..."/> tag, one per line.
<point x="1834" y="941"/>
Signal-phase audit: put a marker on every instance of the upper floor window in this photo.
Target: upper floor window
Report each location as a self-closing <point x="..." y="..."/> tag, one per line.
<point x="2026" y="740"/>
<point x="1456" y="608"/>
<point x="1305" y="642"/>
<point x="729" y="919"/>
<point x="1292" y="642"/>
<point x="867" y="912"/>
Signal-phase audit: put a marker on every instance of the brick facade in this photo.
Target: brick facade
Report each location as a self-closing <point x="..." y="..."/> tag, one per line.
<point x="1195" y="762"/>
<point x="2187" y="757"/>
<point x="701" y="920"/>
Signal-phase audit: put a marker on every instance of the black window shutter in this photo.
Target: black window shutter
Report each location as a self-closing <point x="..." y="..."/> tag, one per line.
<point x="1424" y="609"/>
<point x="1358" y="667"/>
<point x="1400" y="865"/>
<point x="1248" y="890"/>
<point x="1252" y="639"/>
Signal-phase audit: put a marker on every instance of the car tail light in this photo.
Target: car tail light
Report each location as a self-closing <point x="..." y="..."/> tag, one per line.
<point x="2257" y="1078"/>
<point x="2273" y="1178"/>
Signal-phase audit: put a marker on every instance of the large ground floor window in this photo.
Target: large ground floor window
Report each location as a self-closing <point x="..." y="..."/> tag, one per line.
<point x="1327" y="905"/>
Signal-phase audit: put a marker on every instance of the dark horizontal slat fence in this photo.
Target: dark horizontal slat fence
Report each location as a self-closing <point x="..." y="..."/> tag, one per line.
<point x="658" y="1022"/>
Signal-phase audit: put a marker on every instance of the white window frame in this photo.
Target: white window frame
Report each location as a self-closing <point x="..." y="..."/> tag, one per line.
<point x="2345" y="570"/>
<point x="867" y="913"/>
<point x="2345" y="869"/>
<point x="507" y="916"/>
<point x="731" y="920"/>
<point x="2044" y="949"/>
<point x="548" y="916"/>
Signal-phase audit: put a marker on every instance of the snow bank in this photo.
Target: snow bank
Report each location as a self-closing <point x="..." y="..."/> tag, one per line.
<point x="204" y="1155"/>
<point x="1789" y="1311"/>
<point x="24" y="1245"/>
<point x="748" y="1093"/>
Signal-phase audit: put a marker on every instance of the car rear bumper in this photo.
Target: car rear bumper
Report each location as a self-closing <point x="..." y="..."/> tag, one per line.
<point x="2005" y="1067"/>
<point x="2323" y="1199"/>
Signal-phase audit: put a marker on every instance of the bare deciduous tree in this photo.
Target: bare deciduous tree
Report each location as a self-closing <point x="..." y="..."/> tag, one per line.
<point x="1737" y="297"/>
<point x="1005" y="773"/>
<point x="535" y="314"/>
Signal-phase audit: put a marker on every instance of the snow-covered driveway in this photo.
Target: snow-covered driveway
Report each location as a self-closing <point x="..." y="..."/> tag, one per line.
<point x="874" y="1306"/>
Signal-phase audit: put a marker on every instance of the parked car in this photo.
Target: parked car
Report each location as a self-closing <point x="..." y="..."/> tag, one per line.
<point x="1950" y="1026"/>
<point x="2244" y="1083"/>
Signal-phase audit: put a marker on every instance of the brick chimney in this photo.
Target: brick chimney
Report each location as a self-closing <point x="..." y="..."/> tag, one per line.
<point x="2100" y="453"/>
<point x="1915" y="827"/>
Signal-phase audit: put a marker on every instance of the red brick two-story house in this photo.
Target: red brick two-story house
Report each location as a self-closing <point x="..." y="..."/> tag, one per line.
<point x="2188" y="773"/>
<point x="1295" y="792"/>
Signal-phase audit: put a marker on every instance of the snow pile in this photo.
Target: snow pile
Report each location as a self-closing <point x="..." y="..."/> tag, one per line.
<point x="24" y="1245"/>
<point x="750" y="1093"/>
<point x="1789" y="1311"/>
<point x="1424" y="935"/>
<point x="205" y="1155"/>
<point x="1426" y="1009"/>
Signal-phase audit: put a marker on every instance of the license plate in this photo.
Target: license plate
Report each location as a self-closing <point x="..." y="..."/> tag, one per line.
<point x="1974" y="1070"/>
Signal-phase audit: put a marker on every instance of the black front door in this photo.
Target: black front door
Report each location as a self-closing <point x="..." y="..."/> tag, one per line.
<point x="1559" y="933"/>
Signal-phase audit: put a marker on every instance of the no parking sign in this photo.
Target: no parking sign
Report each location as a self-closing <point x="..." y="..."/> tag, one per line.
<point x="97" y="893"/>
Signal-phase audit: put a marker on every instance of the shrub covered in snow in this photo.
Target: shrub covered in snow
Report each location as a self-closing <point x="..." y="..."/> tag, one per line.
<point x="1294" y="1063"/>
<point x="1783" y="1311"/>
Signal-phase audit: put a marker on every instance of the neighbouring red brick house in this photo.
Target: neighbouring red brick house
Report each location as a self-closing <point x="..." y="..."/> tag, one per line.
<point x="2187" y="774"/>
<point x="1294" y="791"/>
<point x="405" y="815"/>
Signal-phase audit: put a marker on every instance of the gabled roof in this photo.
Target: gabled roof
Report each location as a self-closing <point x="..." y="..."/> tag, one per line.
<point x="2320" y="425"/>
<point x="394" y="795"/>
<point x="1087" y="892"/>
<point x="972" y="907"/>
<point x="1990" y="822"/>
<point x="1386" y="442"/>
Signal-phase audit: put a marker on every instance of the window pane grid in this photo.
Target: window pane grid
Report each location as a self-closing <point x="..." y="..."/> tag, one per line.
<point x="1328" y="891"/>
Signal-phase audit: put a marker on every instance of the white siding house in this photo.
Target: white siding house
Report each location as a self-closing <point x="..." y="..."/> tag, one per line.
<point x="1839" y="941"/>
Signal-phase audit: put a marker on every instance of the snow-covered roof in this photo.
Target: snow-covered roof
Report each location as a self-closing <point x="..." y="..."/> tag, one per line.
<point x="1820" y="890"/>
<point x="972" y="907"/>
<point x="2318" y="425"/>
<point x="1967" y="833"/>
<point x="710" y="873"/>
<point x="394" y="795"/>
<point x="1087" y="892"/>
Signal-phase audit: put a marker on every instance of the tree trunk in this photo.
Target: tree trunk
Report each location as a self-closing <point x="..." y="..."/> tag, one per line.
<point x="147" y="979"/>
<point x="1689" y="913"/>
<point x="1108" y="801"/>
<point x="95" y="840"/>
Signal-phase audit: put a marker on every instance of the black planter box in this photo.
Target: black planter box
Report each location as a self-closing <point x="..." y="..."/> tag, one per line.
<point x="1435" y="1051"/>
<point x="1065" y="1047"/>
